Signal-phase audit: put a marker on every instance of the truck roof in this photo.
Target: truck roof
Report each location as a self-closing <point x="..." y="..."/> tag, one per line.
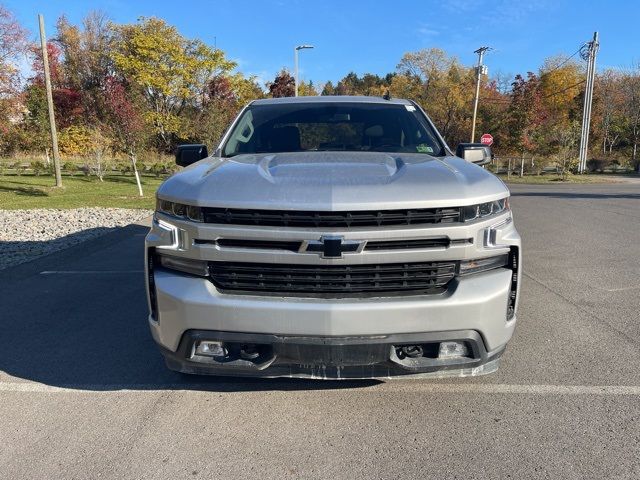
<point x="331" y="99"/>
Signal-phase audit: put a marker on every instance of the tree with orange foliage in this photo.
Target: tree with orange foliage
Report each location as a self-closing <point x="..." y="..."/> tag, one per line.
<point x="13" y="42"/>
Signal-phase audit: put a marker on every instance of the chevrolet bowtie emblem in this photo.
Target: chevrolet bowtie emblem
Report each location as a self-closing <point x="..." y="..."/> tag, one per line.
<point x="331" y="246"/>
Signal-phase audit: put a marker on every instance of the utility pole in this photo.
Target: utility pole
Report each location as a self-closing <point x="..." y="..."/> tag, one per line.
<point x="52" y="118"/>
<point x="295" y="56"/>
<point x="588" y="54"/>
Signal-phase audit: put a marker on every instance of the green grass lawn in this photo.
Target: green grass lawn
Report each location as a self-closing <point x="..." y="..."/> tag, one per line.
<point x="553" y="179"/>
<point x="30" y="191"/>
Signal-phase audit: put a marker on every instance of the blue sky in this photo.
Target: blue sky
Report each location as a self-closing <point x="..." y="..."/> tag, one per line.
<point x="367" y="36"/>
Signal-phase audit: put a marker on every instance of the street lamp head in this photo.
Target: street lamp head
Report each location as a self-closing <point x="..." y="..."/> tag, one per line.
<point x="295" y="54"/>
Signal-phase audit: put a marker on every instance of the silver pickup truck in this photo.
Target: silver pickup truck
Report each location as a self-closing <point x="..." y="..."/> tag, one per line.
<point x="333" y="237"/>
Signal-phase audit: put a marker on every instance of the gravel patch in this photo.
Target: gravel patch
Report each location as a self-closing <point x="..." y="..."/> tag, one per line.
<point x="28" y="234"/>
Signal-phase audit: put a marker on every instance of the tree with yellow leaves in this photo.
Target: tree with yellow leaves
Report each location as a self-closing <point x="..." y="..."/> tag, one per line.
<point x="172" y="72"/>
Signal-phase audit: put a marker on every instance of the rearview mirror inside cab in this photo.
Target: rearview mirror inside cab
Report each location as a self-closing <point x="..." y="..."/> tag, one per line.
<point x="188" y="154"/>
<point x="474" y="152"/>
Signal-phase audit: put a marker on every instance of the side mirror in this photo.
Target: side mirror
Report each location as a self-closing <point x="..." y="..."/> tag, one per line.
<point x="188" y="154"/>
<point x="475" y="153"/>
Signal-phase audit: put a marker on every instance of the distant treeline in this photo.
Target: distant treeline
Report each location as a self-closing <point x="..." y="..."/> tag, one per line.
<point x="143" y="87"/>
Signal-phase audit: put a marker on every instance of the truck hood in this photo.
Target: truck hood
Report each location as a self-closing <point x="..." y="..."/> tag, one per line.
<point x="333" y="181"/>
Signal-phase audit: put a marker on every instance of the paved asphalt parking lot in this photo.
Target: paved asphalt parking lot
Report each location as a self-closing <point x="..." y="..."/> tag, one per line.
<point x="84" y="392"/>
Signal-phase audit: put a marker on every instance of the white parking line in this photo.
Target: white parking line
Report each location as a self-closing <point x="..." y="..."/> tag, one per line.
<point x="621" y="289"/>
<point x="524" y="389"/>
<point x="395" y="386"/>
<point x="87" y="272"/>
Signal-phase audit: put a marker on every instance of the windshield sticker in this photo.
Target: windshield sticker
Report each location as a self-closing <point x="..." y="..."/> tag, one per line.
<point x="424" y="148"/>
<point x="410" y="108"/>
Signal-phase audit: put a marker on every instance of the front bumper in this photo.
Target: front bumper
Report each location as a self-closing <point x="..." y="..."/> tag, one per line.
<point x="332" y="357"/>
<point x="475" y="305"/>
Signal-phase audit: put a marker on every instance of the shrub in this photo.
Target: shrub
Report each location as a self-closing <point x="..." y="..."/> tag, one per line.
<point x="163" y="168"/>
<point x="19" y="167"/>
<point x="69" y="167"/>
<point x="123" y="167"/>
<point x="157" y="169"/>
<point x="99" y="168"/>
<point x="171" y="168"/>
<point x="597" y="164"/>
<point x="38" y="167"/>
<point x="75" y="140"/>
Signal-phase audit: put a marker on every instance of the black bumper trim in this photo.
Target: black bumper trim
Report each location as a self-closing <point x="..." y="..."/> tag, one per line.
<point x="325" y="357"/>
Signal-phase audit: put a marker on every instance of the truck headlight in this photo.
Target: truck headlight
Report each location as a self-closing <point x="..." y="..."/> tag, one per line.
<point x="185" y="265"/>
<point x="179" y="210"/>
<point x="468" y="267"/>
<point x="481" y="210"/>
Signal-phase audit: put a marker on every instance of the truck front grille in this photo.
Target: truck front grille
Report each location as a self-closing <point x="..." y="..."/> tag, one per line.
<point x="294" y="246"/>
<point x="332" y="281"/>
<point x="315" y="219"/>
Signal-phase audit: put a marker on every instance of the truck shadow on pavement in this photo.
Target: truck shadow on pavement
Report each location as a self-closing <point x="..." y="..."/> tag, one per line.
<point x="17" y="252"/>
<point x="82" y="324"/>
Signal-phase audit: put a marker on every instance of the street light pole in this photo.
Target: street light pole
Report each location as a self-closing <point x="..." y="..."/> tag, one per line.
<point x="295" y="69"/>
<point x="295" y="56"/>
<point x="480" y="69"/>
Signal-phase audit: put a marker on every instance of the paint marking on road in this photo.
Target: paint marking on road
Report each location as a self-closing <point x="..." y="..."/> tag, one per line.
<point x="88" y="272"/>
<point x="405" y="386"/>
<point x="524" y="389"/>
<point x="622" y="289"/>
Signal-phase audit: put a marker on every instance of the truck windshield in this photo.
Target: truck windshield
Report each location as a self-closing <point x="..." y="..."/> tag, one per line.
<point x="339" y="126"/>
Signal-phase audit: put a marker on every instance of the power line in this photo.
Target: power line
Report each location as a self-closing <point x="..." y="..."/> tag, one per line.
<point x="557" y="67"/>
<point x="509" y="100"/>
<point x="489" y="99"/>
<point x="564" y="89"/>
<point x="505" y="101"/>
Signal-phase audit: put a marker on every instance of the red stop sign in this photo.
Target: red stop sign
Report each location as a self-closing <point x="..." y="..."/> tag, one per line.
<point x="486" y="139"/>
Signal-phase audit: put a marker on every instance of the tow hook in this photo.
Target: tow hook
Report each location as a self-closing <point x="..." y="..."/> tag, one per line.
<point x="249" y="352"/>
<point x="411" y="351"/>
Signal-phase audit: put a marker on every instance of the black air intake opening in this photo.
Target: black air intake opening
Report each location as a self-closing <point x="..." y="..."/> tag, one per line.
<point x="513" y="264"/>
<point x="333" y="281"/>
<point x="317" y="219"/>
<point x="151" y="284"/>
